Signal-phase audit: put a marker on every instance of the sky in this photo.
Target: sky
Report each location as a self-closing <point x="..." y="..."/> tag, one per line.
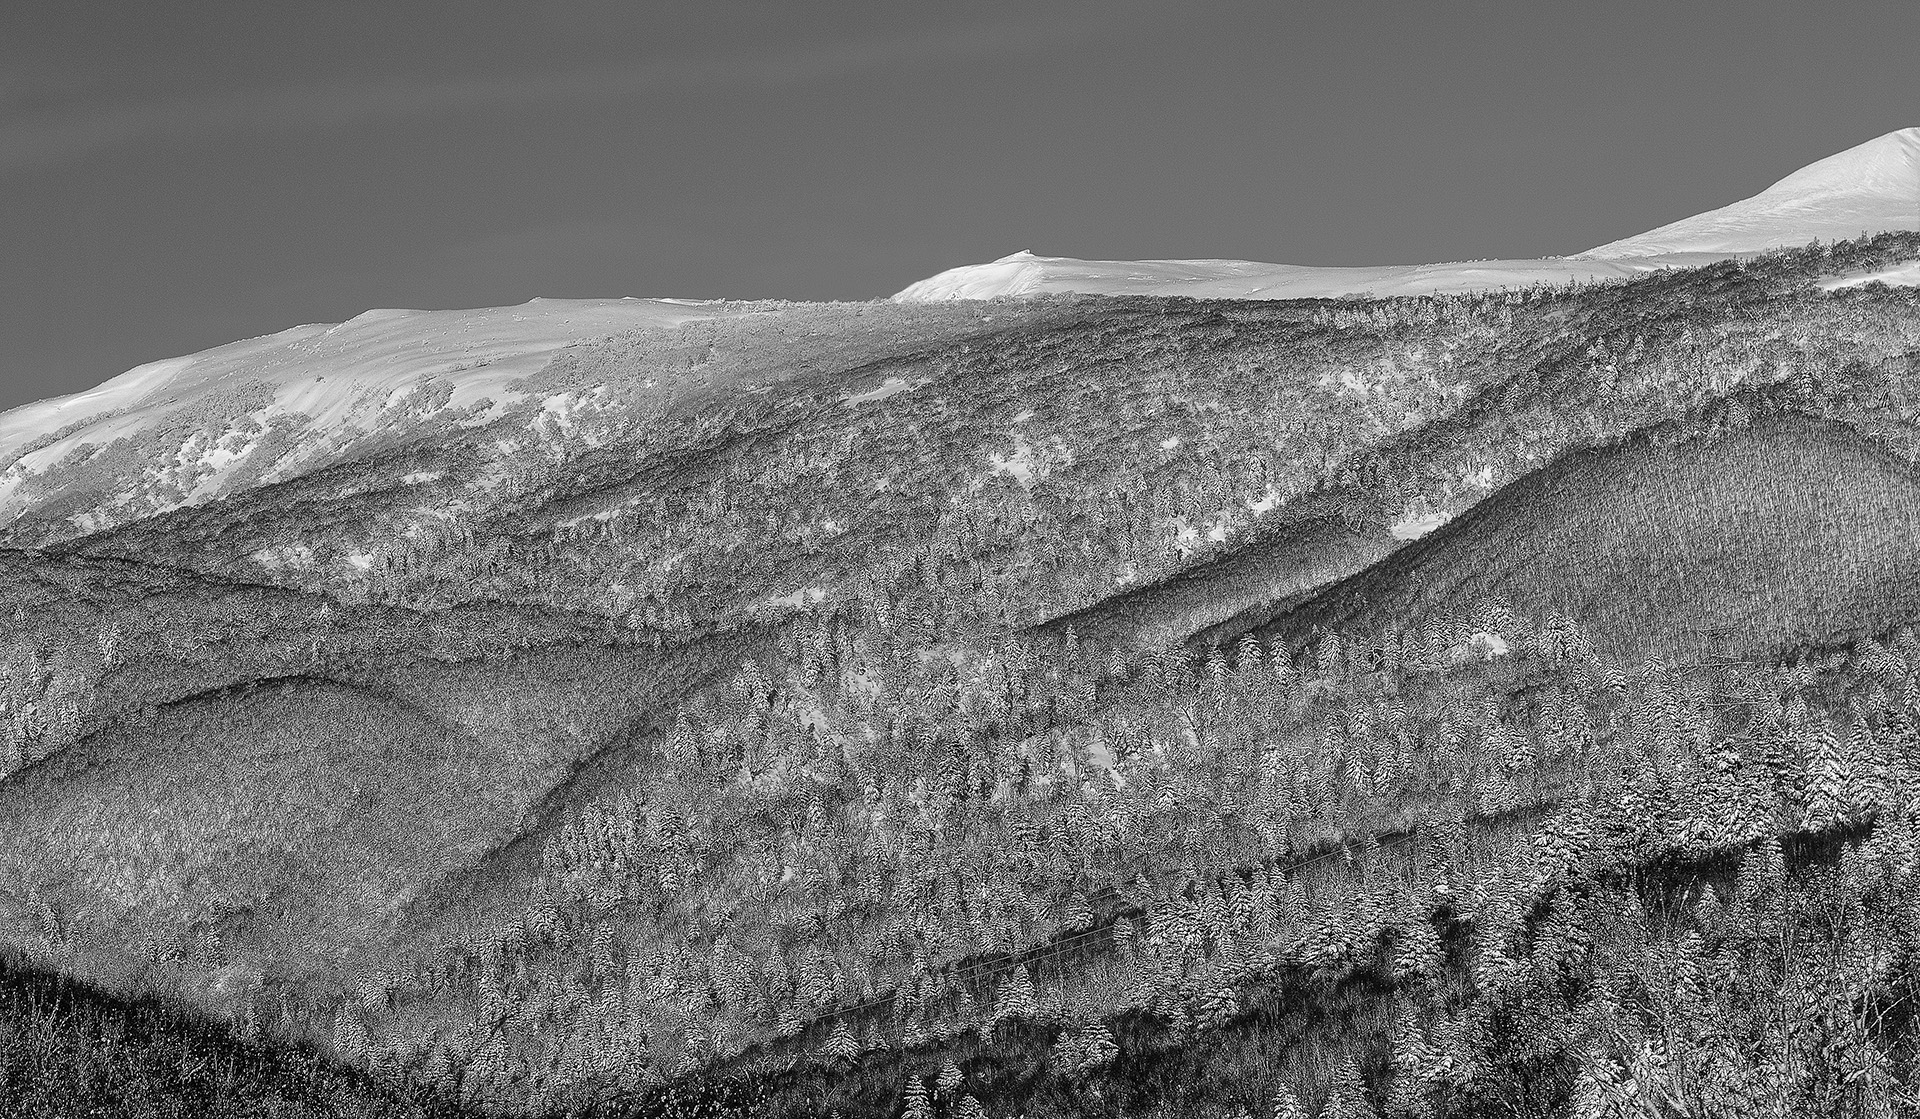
<point x="177" y="175"/>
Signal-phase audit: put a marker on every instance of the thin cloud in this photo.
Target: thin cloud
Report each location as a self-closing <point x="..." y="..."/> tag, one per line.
<point x="47" y="137"/>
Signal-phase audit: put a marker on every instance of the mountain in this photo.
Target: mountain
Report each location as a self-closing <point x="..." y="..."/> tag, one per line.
<point x="1865" y="189"/>
<point x="1024" y="274"/>
<point x="265" y="407"/>
<point x="1059" y="707"/>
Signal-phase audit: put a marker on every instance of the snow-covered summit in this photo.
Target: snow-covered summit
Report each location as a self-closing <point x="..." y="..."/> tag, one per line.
<point x="1023" y="273"/>
<point x="329" y="369"/>
<point x="1869" y="188"/>
<point x="1866" y="189"/>
<point x="322" y="385"/>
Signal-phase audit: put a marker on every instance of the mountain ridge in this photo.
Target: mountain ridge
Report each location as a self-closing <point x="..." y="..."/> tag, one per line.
<point x="1866" y="189"/>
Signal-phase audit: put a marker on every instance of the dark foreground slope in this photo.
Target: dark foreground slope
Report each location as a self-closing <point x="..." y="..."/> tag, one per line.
<point x="767" y="729"/>
<point x="69" y="1050"/>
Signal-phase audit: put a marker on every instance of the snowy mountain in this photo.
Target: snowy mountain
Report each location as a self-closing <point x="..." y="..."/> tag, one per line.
<point x="597" y="707"/>
<point x="1023" y="273"/>
<point x="188" y="430"/>
<point x="268" y="408"/>
<point x="1865" y="189"/>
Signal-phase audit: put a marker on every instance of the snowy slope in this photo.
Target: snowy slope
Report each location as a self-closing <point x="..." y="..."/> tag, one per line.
<point x="1023" y="273"/>
<point x="1865" y="189"/>
<point x="1899" y="276"/>
<point x="1869" y="188"/>
<point x="330" y="383"/>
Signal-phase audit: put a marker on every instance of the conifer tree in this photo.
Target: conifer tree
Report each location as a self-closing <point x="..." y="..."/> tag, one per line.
<point x="1348" y="1096"/>
<point x="1067" y="1053"/>
<point x="1411" y="1060"/>
<point x="1016" y="997"/>
<point x="841" y="1045"/>
<point x="1566" y="843"/>
<point x="914" y="1101"/>
<point x="1829" y="779"/>
<point x="1287" y="1105"/>
<point x="1598" y="1091"/>
<point x="1097" y="1047"/>
<point x="1872" y="787"/>
<point x="1417" y="950"/>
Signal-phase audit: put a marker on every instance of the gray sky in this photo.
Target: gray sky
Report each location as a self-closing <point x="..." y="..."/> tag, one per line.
<point x="179" y="175"/>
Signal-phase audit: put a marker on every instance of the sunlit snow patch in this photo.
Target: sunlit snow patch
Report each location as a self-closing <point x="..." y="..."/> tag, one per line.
<point x="1413" y="527"/>
<point x="1487" y="646"/>
<point x="296" y="556"/>
<point x="1019" y="464"/>
<point x="1481" y="646"/>
<point x="799" y="598"/>
<point x="892" y="386"/>
<point x="1899" y="276"/>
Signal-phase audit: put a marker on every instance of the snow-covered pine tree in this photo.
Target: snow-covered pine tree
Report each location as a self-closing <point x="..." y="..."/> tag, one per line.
<point x="1830" y="778"/>
<point x="1067" y="1053"/>
<point x="1347" y="1098"/>
<point x="1871" y="790"/>
<point x="841" y="1045"/>
<point x="1417" y="951"/>
<point x="913" y="1100"/>
<point x="1097" y="1047"/>
<point x="1015" y="997"/>
<point x="948" y="1080"/>
<point x="1598" y="1089"/>
<point x="1411" y="1059"/>
<point x="1287" y="1105"/>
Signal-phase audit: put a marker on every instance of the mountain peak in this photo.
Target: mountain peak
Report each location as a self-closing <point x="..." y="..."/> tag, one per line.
<point x="1868" y="188"/>
<point x="1887" y="164"/>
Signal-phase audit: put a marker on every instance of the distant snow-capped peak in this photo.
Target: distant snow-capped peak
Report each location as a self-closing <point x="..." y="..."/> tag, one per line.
<point x="1870" y="188"/>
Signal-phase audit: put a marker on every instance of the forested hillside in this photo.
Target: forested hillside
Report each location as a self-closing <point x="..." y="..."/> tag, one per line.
<point x="1503" y="704"/>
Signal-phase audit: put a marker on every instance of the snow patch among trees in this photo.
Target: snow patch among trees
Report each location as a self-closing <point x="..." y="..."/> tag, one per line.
<point x="1899" y="276"/>
<point x="891" y="387"/>
<point x="1415" y="525"/>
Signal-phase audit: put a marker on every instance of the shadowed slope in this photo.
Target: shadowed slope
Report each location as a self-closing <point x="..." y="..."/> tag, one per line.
<point x="286" y="824"/>
<point x="1304" y="556"/>
<point x="1786" y="533"/>
<point x="295" y="818"/>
